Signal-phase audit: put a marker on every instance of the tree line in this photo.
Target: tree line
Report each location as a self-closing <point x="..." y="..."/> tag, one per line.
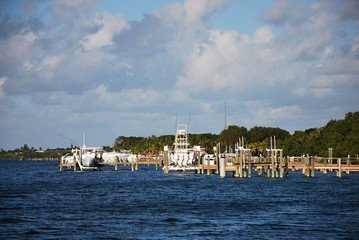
<point x="31" y="153"/>
<point x="341" y="135"/>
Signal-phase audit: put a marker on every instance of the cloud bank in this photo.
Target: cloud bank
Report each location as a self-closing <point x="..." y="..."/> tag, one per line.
<point x="66" y="68"/>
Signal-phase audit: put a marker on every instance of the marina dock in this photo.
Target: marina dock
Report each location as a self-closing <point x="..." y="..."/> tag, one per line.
<point x="240" y="163"/>
<point x="116" y="163"/>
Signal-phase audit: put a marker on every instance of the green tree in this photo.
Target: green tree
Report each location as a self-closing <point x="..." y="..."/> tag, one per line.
<point x="230" y="136"/>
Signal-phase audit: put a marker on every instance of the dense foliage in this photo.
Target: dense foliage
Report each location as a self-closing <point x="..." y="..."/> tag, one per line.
<point x="31" y="153"/>
<point x="155" y="144"/>
<point x="341" y="135"/>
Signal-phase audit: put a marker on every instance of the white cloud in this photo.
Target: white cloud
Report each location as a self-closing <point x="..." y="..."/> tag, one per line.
<point x="3" y="79"/>
<point x="333" y="81"/>
<point x="110" y="26"/>
<point x="20" y="45"/>
<point x="190" y="14"/>
<point x="265" y="114"/>
<point x="323" y="92"/>
<point x="314" y="92"/>
<point x="280" y="11"/>
<point x="66" y="10"/>
<point x="214" y="64"/>
<point x="91" y="68"/>
<point x="51" y="62"/>
<point x="229" y="60"/>
<point x="101" y="99"/>
<point x="70" y="3"/>
<point x="263" y="35"/>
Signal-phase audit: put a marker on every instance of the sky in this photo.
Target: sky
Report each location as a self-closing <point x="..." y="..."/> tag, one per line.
<point x="128" y="68"/>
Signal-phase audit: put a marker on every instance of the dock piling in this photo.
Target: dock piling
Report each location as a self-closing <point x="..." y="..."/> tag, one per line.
<point x="222" y="167"/>
<point x="165" y="158"/>
<point x="339" y="173"/>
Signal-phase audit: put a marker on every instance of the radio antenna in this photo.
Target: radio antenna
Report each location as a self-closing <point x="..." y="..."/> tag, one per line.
<point x="225" y="115"/>
<point x="189" y="121"/>
<point x="176" y="123"/>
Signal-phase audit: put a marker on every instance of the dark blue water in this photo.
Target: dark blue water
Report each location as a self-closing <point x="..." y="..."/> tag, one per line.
<point x="39" y="202"/>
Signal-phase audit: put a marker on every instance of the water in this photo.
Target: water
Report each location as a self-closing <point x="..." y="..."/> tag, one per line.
<point x="39" y="202"/>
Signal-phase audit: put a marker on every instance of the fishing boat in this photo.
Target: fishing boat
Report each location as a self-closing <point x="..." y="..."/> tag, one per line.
<point x="87" y="158"/>
<point x="183" y="157"/>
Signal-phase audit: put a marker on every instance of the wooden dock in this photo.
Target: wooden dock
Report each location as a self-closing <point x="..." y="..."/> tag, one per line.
<point x="139" y="160"/>
<point x="241" y="165"/>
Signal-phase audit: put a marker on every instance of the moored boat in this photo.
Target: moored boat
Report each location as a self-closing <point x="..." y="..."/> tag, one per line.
<point x="183" y="157"/>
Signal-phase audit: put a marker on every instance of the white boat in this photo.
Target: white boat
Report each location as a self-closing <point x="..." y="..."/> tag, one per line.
<point x="85" y="157"/>
<point x="111" y="156"/>
<point x="183" y="157"/>
<point x="90" y="156"/>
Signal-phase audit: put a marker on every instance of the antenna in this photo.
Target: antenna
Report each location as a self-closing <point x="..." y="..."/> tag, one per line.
<point x="189" y="121"/>
<point x="84" y="140"/>
<point x="176" y="123"/>
<point x="225" y="115"/>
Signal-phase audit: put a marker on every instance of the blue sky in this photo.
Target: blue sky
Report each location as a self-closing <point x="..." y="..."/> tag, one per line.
<point x="126" y="68"/>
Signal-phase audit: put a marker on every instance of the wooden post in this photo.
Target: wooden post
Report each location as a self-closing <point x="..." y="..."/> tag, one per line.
<point x="241" y="164"/>
<point x="245" y="165"/>
<point x="272" y="162"/>
<point x="75" y="163"/>
<point x="286" y="172"/>
<point x="325" y="162"/>
<point x="61" y="161"/>
<point x="156" y="163"/>
<point x="165" y="157"/>
<point x="216" y="162"/>
<point x="339" y="173"/>
<point x="281" y="165"/>
<point x="268" y="171"/>
<point x="276" y="163"/>
<point x="222" y="167"/>
<point x="208" y="167"/>
<point x="249" y="164"/>
<point x="136" y="168"/>
<point x="311" y="166"/>
<point x="237" y="165"/>
<point x="116" y="163"/>
<point x="306" y="164"/>
<point x="198" y="161"/>
<point x="218" y="153"/>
